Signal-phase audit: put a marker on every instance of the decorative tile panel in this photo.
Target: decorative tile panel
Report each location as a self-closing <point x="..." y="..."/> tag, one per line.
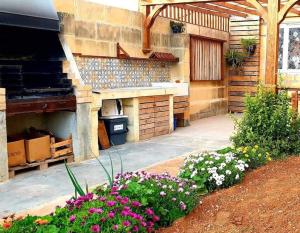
<point x="110" y="73"/>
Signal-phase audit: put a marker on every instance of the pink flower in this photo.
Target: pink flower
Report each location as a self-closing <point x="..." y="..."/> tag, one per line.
<point x="155" y="218"/>
<point x="182" y="205"/>
<point x="135" y="229"/>
<point x="125" y="213"/>
<point x="72" y="218"/>
<point x="149" y="211"/>
<point x="126" y="223"/>
<point x="110" y="203"/>
<point x="111" y="214"/>
<point x="95" y="228"/>
<point x="136" y="204"/>
<point x="115" y="227"/>
<point x="102" y="198"/>
<point x="124" y="201"/>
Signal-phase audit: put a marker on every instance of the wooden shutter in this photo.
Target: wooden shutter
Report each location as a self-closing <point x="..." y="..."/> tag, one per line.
<point x="206" y="59"/>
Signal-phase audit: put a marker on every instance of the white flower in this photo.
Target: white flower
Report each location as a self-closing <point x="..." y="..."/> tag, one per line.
<point x="228" y="172"/>
<point x="164" y="186"/>
<point x="187" y="193"/>
<point x="162" y="193"/>
<point x="180" y="190"/>
<point x="194" y="173"/>
<point x="237" y="176"/>
<point x="218" y="183"/>
<point x="191" y="166"/>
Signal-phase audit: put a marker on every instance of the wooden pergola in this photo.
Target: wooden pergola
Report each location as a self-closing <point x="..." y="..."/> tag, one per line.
<point x="273" y="12"/>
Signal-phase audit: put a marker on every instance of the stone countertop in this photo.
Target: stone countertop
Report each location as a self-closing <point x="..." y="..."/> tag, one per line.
<point x="133" y="92"/>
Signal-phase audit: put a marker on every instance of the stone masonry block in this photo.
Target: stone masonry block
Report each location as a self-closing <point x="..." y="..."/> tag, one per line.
<point x="85" y="29"/>
<point x="108" y="32"/>
<point x="67" y="23"/>
<point x="130" y="35"/>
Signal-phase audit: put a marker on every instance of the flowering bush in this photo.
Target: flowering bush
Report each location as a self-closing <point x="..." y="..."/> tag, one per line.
<point x="211" y="171"/>
<point x="253" y="156"/>
<point x="106" y="214"/>
<point x="169" y="197"/>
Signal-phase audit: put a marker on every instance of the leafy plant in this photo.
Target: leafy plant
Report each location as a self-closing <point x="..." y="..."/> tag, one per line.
<point x="253" y="156"/>
<point x="213" y="170"/>
<point x="249" y="44"/>
<point x="234" y="58"/>
<point x="169" y="197"/>
<point x="177" y="27"/>
<point x="269" y="123"/>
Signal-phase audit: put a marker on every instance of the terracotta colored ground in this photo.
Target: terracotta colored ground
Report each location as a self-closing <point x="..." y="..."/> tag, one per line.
<point x="268" y="200"/>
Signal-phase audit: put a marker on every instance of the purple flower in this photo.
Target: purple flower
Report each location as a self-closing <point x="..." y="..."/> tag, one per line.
<point x="95" y="228"/>
<point x="124" y="201"/>
<point x="72" y="218"/>
<point x="149" y="211"/>
<point x="95" y="210"/>
<point x="155" y="218"/>
<point x="102" y="198"/>
<point x="135" y="229"/>
<point x="125" y="213"/>
<point x="136" y="204"/>
<point x="126" y="223"/>
<point x="182" y="205"/>
<point x="111" y="214"/>
<point x="110" y="203"/>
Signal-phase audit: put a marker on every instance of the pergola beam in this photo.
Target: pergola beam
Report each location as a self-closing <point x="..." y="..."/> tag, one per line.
<point x="285" y="9"/>
<point x="172" y="2"/>
<point x="295" y="11"/>
<point x="260" y="9"/>
<point x="220" y="9"/>
<point x="203" y="11"/>
<point x="236" y="8"/>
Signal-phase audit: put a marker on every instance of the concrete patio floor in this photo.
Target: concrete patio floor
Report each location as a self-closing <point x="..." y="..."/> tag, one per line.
<point x="34" y="189"/>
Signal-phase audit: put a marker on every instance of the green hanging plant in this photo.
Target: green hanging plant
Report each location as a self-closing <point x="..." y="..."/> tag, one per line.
<point x="249" y="44"/>
<point x="234" y="58"/>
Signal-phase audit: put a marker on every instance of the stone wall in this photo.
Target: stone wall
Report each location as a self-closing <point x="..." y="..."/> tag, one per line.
<point x="92" y="29"/>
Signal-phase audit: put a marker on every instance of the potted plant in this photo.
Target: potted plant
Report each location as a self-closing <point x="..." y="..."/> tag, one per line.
<point x="177" y="27"/>
<point x="234" y="58"/>
<point x="249" y="44"/>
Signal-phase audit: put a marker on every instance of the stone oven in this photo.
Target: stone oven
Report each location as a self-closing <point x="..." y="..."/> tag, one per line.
<point x="38" y="92"/>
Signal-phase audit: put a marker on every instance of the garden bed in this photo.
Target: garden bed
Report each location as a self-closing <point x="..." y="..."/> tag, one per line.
<point x="268" y="200"/>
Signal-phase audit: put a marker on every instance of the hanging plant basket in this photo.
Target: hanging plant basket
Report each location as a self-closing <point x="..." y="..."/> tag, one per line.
<point x="177" y="27"/>
<point x="235" y="59"/>
<point x="249" y="45"/>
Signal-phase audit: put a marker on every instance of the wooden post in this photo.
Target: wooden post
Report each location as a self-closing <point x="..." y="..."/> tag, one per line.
<point x="295" y="101"/>
<point x="272" y="44"/>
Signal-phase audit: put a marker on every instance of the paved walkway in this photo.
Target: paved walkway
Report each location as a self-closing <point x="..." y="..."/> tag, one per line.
<point x="33" y="189"/>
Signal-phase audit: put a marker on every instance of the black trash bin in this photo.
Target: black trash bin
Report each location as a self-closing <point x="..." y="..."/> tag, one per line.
<point x="116" y="127"/>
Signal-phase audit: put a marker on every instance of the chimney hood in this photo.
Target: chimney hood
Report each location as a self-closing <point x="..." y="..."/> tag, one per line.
<point x="35" y="14"/>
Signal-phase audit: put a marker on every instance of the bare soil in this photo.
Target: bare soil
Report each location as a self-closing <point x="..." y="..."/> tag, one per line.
<point x="268" y="200"/>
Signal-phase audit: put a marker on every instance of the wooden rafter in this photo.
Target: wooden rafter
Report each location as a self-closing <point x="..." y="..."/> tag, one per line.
<point x="202" y="10"/>
<point x="236" y="8"/>
<point x="220" y="9"/>
<point x="285" y="9"/>
<point x="295" y="11"/>
<point x="260" y="9"/>
<point x="172" y="2"/>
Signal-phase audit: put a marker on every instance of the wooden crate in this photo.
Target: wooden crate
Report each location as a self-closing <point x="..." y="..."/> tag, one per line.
<point x="40" y="165"/>
<point x="60" y="148"/>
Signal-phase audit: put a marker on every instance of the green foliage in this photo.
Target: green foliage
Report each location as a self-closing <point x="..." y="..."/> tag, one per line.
<point x="169" y="197"/>
<point x="74" y="181"/>
<point x="213" y="170"/>
<point x="248" y="42"/>
<point x="234" y="58"/>
<point x="269" y="123"/>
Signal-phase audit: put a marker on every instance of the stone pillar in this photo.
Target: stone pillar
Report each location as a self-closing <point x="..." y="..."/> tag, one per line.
<point x="97" y="104"/>
<point x="82" y="142"/>
<point x="3" y="138"/>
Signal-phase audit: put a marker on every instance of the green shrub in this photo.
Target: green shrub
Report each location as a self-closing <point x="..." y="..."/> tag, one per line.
<point x="269" y="123"/>
<point x="169" y="197"/>
<point x="212" y="171"/>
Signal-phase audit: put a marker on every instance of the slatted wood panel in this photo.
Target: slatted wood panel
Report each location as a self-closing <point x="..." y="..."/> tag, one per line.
<point x="206" y="59"/>
<point x="154" y="116"/>
<point x="218" y="22"/>
<point x="181" y="104"/>
<point x="246" y="80"/>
